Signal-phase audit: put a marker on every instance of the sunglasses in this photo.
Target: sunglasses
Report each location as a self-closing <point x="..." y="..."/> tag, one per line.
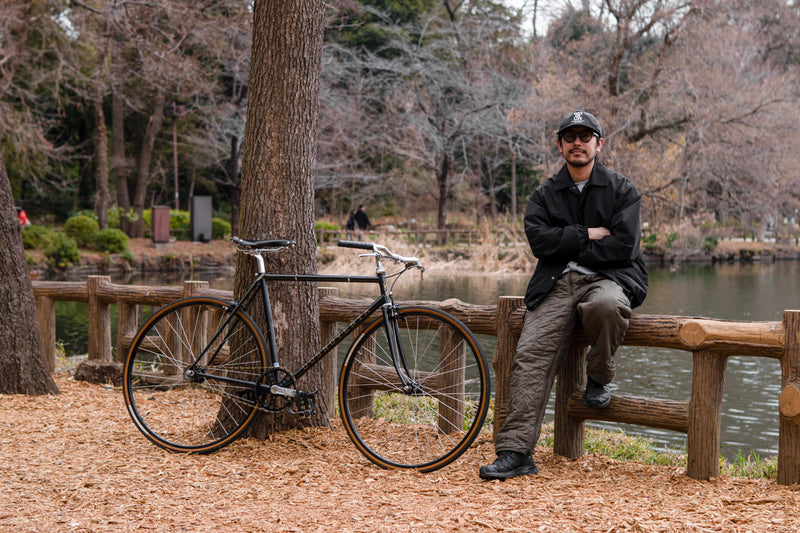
<point x="584" y="135"/>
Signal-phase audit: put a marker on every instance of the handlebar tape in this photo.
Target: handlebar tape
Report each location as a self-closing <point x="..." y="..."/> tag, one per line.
<point x="355" y="244"/>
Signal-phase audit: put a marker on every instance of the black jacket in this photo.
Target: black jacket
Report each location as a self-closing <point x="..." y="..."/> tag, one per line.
<point x="557" y="219"/>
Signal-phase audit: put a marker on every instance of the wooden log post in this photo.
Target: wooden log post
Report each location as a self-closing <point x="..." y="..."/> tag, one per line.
<point x="99" y="320"/>
<point x="330" y="365"/>
<point x="789" y="403"/>
<point x="705" y="415"/>
<point x="200" y="335"/>
<point x="568" y="430"/>
<point x="507" y="338"/>
<point x="451" y="382"/>
<point x="127" y="324"/>
<point x="46" y="311"/>
<point x="362" y="394"/>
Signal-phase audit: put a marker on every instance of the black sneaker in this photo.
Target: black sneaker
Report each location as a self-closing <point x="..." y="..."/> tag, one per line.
<point x="596" y="395"/>
<point x="508" y="465"/>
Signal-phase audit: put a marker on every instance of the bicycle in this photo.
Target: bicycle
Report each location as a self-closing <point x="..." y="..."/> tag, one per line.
<point x="413" y="389"/>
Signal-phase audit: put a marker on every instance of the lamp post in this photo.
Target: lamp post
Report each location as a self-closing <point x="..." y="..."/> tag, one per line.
<point x="174" y="111"/>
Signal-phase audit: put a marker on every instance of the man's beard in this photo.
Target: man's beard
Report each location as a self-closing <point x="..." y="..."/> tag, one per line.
<point x="580" y="164"/>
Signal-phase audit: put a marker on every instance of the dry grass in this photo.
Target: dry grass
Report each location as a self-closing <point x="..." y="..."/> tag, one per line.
<point x="75" y="462"/>
<point x="505" y="252"/>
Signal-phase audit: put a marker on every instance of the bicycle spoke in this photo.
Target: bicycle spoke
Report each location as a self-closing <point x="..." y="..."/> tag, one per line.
<point x="435" y="419"/>
<point x="193" y="414"/>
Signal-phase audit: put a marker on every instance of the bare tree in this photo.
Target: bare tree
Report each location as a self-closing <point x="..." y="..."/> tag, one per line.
<point x="277" y="177"/>
<point x="23" y="369"/>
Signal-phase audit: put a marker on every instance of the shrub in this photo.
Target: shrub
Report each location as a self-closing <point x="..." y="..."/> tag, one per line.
<point x="113" y="241"/>
<point x="147" y="216"/>
<point x="709" y="243"/>
<point x="37" y="236"/>
<point x="82" y="228"/>
<point x="220" y="228"/>
<point x="671" y="238"/>
<point x="650" y="241"/>
<point x="324" y="225"/>
<point x="63" y="253"/>
<point x="83" y="212"/>
<point x="117" y="214"/>
<point x="180" y="224"/>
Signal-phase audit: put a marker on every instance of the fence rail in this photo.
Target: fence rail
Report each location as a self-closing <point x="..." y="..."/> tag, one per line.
<point x="709" y="341"/>
<point x="419" y="236"/>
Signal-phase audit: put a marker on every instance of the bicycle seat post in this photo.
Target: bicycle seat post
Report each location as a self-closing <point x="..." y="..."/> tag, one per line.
<point x="261" y="269"/>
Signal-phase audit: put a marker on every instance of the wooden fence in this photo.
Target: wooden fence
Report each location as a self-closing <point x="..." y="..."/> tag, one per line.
<point x="709" y="341"/>
<point x="418" y="237"/>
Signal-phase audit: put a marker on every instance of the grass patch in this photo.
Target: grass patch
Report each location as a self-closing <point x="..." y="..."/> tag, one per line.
<point x="751" y="466"/>
<point x="623" y="447"/>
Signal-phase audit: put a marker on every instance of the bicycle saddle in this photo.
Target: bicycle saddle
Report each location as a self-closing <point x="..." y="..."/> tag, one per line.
<point x="269" y="243"/>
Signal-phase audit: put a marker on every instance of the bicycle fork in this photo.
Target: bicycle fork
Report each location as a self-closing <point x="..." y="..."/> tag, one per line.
<point x="390" y="321"/>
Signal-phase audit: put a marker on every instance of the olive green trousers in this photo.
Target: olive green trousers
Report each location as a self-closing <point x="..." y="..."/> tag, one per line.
<point x="600" y="306"/>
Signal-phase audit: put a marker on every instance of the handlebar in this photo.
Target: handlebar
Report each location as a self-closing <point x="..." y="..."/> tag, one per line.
<point x="356" y="244"/>
<point x="380" y="252"/>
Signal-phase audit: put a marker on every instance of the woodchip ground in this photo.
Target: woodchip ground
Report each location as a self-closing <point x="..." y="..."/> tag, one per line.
<point x="75" y="463"/>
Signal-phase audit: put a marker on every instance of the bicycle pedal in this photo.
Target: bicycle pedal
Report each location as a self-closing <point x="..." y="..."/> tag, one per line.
<point x="306" y="403"/>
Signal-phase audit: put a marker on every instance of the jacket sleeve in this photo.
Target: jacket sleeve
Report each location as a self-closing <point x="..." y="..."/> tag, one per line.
<point x="548" y="241"/>
<point x="619" y="247"/>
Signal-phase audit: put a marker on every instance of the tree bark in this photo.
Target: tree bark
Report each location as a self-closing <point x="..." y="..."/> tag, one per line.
<point x="23" y="368"/>
<point x="143" y="171"/>
<point x="101" y="171"/>
<point x="235" y="185"/>
<point x="119" y="165"/>
<point x="442" y="174"/>
<point x="277" y="182"/>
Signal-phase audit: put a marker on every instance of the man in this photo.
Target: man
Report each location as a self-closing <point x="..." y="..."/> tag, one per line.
<point x="361" y="219"/>
<point x="583" y="225"/>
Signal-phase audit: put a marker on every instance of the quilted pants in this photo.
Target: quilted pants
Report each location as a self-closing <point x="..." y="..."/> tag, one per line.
<point x="602" y="309"/>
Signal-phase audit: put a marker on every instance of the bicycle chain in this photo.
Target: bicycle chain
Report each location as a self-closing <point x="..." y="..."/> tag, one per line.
<point x="258" y="405"/>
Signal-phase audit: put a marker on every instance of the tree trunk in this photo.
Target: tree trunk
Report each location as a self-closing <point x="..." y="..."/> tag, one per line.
<point x="513" y="182"/>
<point x="119" y="166"/>
<point x="477" y="165"/>
<point x="101" y="172"/>
<point x="442" y="173"/>
<point x="235" y="185"/>
<point x="143" y="171"/>
<point x="277" y="182"/>
<point x="23" y="369"/>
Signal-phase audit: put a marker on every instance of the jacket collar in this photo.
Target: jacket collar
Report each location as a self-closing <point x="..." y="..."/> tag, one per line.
<point x="599" y="177"/>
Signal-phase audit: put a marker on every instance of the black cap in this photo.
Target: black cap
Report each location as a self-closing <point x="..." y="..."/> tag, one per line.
<point x="581" y="118"/>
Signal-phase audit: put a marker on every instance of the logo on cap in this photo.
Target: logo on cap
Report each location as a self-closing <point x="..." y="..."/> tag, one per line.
<point x="577" y="116"/>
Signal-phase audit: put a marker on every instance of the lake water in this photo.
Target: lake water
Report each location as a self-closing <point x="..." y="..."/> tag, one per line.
<point x="750" y="292"/>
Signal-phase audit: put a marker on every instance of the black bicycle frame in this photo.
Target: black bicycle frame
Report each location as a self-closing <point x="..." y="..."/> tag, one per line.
<point x="385" y="302"/>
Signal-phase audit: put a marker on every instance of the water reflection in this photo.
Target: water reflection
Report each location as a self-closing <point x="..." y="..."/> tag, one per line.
<point x="756" y="292"/>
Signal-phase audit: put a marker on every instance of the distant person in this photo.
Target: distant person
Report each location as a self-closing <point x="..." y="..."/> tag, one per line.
<point x="351" y="221"/>
<point x="350" y="226"/>
<point x="584" y="226"/>
<point x="361" y="219"/>
<point x="22" y="217"/>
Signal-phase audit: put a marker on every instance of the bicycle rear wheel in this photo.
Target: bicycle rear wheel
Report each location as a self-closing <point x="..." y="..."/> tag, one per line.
<point x="433" y="422"/>
<point x="179" y="410"/>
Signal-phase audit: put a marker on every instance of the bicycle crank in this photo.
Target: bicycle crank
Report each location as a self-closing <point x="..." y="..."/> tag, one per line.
<point x="276" y="390"/>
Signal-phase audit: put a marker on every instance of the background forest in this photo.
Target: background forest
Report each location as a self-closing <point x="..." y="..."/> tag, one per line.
<point x="439" y="111"/>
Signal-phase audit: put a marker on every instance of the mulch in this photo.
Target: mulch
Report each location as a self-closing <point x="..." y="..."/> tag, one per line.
<point x="75" y="462"/>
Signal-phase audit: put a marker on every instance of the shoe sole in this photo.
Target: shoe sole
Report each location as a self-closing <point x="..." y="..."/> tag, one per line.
<point x="599" y="405"/>
<point x="528" y="470"/>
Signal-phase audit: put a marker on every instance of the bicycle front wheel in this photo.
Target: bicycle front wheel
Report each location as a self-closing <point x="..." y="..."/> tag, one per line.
<point x="190" y="377"/>
<point x="427" y="418"/>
